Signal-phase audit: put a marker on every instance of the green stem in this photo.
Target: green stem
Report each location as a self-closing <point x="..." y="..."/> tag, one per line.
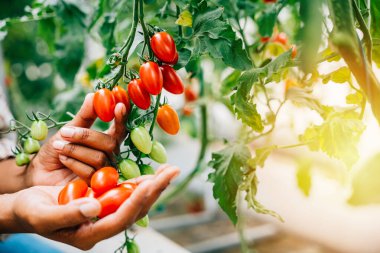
<point x="155" y="114"/>
<point x="180" y="34"/>
<point x="145" y="30"/>
<point x="363" y="27"/>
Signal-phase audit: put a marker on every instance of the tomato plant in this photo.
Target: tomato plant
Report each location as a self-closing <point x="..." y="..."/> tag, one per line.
<point x="104" y="179"/>
<point x="73" y="190"/>
<point x="104" y="104"/>
<point x="167" y="119"/>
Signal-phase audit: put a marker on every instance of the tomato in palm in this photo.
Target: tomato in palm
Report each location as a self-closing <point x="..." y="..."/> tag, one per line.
<point x="111" y="200"/>
<point x="73" y="190"/>
<point x="190" y="94"/>
<point x="167" y="119"/>
<point x="151" y="77"/>
<point x="90" y="193"/>
<point x="281" y="38"/>
<point x="139" y="96"/>
<point x="104" y="179"/>
<point x="172" y="81"/>
<point x="164" y="47"/>
<point x="121" y="96"/>
<point x="128" y="185"/>
<point x="104" y="104"/>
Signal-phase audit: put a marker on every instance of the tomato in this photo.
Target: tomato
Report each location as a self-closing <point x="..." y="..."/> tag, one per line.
<point x="74" y="190"/>
<point x="164" y="47"/>
<point x="143" y="222"/>
<point x="104" y="104"/>
<point x="121" y="96"/>
<point x="132" y="247"/>
<point x="265" y="39"/>
<point x="269" y="1"/>
<point x="190" y="94"/>
<point x="104" y="179"/>
<point x="111" y="200"/>
<point x="31" y="146"/>
<point x="158" y="152"/>
<point x="294" y="51"/>
<point x="167" y="119"/>
<point x="174" y="62"/>
<point x="129" y="169"/>
<point x="128" y="185"/>
<point x="39" y="130"/>
<point x="151" y="77"/>
<point x="139" y="96"/>
<point x="147" y="169"/>
<point x="22" y="159"/>
<point x="141" y="139"/>
<point x="90" y="193"/>
<point x="172" y="81"/>
<point x="281" y="38"/>
<point x="187" y="110"/>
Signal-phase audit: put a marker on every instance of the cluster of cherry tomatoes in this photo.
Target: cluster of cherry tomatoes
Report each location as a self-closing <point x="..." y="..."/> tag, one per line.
<point x="105" y="187"/>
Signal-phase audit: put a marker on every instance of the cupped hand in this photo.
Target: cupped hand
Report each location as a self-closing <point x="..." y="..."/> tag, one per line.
<point x="76" y="150"/>
<point x="36" y="210"/>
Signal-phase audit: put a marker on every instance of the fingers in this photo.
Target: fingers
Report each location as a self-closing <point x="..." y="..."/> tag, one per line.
<point x="86" y="115"/>
<point x="94" y="158"/>
<point x="80" y="169"/>
<point x="90" y="138"/>
<point x="118" y="129"/>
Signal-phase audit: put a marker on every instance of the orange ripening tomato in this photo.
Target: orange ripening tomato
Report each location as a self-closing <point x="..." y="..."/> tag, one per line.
<point x="190" y="94"/>
<point x="294" y="51"/>
<point x="73" y="190"/>
<point x="281" y="38"/>
<point x="104" y="179"/>
<point x="172" y="81"/>
<point x="111" y="200"/>
<point x="128" y="185"/>
<point x="167" y="119"/>
<point x="121" y="96"/>
<point x="104" y="104"/>
<point x="139" y="96"/>
<point x="164" y="47"/>
<point x="90" y="193"/>
<point x="265" y="39"/>
<point x="151" y="77"/>
<point x="187" y="110"/>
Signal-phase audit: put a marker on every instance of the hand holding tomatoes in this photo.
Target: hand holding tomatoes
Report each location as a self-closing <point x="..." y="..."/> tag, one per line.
<point x="104" y="104"/>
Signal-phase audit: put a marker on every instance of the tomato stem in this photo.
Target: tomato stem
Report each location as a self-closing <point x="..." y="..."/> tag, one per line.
<point x="155" y="114"/>
<point x="145" y="30"/>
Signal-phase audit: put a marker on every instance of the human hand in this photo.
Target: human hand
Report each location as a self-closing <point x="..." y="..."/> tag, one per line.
<point x="76" y="150"/>
<point x="36" y="210"/>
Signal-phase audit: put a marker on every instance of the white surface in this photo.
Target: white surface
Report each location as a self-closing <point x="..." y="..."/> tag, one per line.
<point x="149" y="241"/>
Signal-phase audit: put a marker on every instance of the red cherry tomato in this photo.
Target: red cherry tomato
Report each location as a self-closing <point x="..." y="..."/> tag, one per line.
<point x="167" y="119"/>
<point x="90" y="193"/>
<point x="187" y="110"/>
<point x="174" y="62"/>
<point x="294" y="51"/>
<point x="104" y="104"/>
<point x="121" y="96"/>
<point x="139" y="96"/>
<point x="269" y="1"/>
<point x="190" y="94"/>
<point x="73" y="190"/>
<point x="104" y="179"/>
<point x="128" y="185"/>
<point x="281" y="38"/>
<point x="111" y="200"/>
<point x="151" y="77"/>
<point x="172" y="81"/>
<point x="265" y="39"/>
<point x="164" y="47"/>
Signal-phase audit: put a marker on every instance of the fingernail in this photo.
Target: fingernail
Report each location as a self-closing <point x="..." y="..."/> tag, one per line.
<point x="67" y="131"/>
<point x="90" y="209"/>
<point x="59" y="144"/>
<point x="63" y="157"/>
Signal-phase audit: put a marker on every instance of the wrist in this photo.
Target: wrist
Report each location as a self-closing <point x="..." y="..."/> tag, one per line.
<point x="8" y="222"/>
<point x="16" y="176"/>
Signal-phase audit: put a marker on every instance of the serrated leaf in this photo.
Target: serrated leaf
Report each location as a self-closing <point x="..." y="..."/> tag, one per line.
<point x="207" y="15"/>
<point x="185" y="19"/>
<point x="303" y="176"/>
<point x="266" y="21"/>
<point x="230" y="82"/>
<point x="228" y="165"/>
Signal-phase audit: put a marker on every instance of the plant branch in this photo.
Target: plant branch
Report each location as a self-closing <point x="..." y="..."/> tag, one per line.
<point x="363" y="27"/>
<point x="145" y="30"/>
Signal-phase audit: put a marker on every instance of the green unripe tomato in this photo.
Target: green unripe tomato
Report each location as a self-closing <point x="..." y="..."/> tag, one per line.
<point x="143" y="222"/>
<point x="31" y="146"/>
<point x="146" y="169"/>
<point x="132" y="247"/>
<point x="39" y="130"/>
<point x="158" y="152"/>
<point x="141" y="139"/>
<point x="129" y="169"/>
<point x="22" y="159"/>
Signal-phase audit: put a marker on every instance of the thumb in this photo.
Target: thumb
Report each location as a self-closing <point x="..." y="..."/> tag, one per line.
<point x="86" y="115"/>
<point x="74" y="213"/>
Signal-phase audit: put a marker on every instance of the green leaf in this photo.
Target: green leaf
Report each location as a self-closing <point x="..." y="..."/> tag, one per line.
<point x="207" y="16"/>
<point x="185" y="19"/>
<point x="235" y="56"/>
<point x="228" y="165"/>
<point x="340" y="75"/>
<point x="355" y="98"/>
<point x="107" y="31"/>
<point x="262" y="154"/>
<point x="230" y="82"/>
<point x="303" y="176"/>
<point x="267" y="20"/>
